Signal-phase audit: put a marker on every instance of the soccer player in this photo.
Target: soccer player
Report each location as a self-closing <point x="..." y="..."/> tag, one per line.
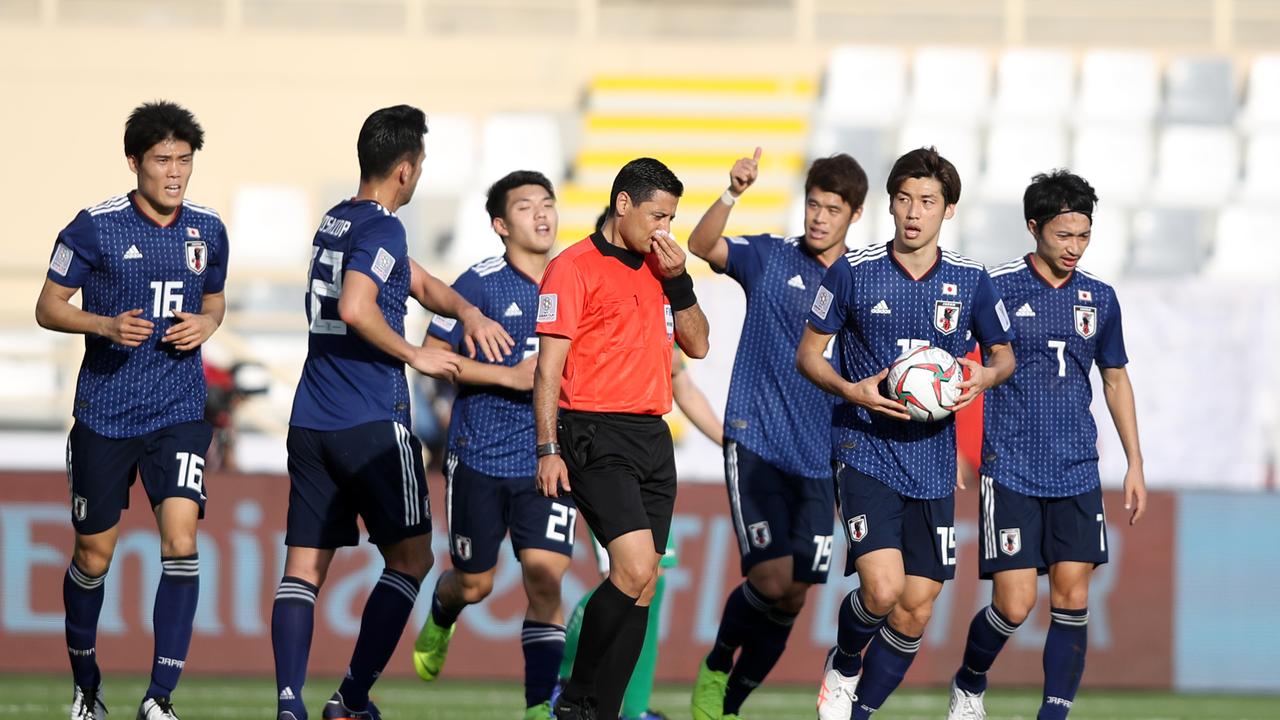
<point x="151" y="266"/>
<point x="609" y="310"/>
<point x="895" y="478"/>
<point x="777" y="469"/>
<point x="635" y="700"/>
<point x="1041" y="502"/>
<point x="350" y="450"/>
<point x="490" y="465"/>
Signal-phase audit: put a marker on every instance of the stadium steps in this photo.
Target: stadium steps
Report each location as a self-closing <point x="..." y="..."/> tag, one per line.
<point x="698" y="126"/>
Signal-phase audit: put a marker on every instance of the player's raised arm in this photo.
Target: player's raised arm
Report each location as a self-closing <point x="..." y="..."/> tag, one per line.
<point x="707" y="239"/>
<point x="553" y="475"/>
<point x="358" y="308"/>
<point x="479" y="332"/>
<point x="1118" y="392"/>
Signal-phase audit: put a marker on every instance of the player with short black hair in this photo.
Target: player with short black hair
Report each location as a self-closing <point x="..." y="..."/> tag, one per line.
<point x="896" y="478"/>
<point x="151" y="266"/>
<point x="350" y="449"/>
<point x="777" y="469"/>
<point x="1041" y="498"/>
<point x="490" y="463"/>
<point x="609" y="310"/>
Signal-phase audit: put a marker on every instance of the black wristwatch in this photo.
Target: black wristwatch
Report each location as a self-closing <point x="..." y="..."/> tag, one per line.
<point x="550" y="448"/>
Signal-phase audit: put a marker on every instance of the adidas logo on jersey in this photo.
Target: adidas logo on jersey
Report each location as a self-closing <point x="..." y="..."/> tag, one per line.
<point x="881" y="308"/>
<point x="796" y="282"/>
<point x="513" y="311"/>
<point x="133" y="253"/>
<point x="1025" y="311"/>
<point x="287" y="694"/>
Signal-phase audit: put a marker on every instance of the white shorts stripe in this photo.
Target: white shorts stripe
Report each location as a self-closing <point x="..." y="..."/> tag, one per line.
<point x="735" y="496"/>
<point x="450" y="467"/>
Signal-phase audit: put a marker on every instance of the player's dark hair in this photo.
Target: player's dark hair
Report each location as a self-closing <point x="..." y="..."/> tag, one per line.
<point x="641" y="178"/>
<point x="925" y="163"/>
<point x="496" y="201"/>
<point x="602" y="218"/>
<point x="388" y="137"/>
<point x="839" y="174"/>
<point x="154" y="122"/>
<point x="1054" y="193"/>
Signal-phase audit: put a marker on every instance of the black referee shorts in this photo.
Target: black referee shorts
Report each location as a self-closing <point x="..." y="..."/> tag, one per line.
<point x="622" y="469"/>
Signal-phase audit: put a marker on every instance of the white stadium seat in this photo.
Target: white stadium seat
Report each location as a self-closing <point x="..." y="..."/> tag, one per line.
<point x="1245" y="248"/>
<point x="1016" y="152"/>
<point x="1200" y="90"/>
<point x="520" y="141"/>
<point x="1118" y="86"/>
<point x="1196" y="166"/>
<point x="1115" y="158"/>
<point x="865" y="86"/>
<point x="1034" y="85"/>
<point x="1262" y="99"/>
<point x="951" y="84"/>
<point x="1261" y="161"/>
<point x="452" y="154"/>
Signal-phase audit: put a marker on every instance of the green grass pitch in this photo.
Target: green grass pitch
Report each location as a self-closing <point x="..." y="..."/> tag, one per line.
<point x="42" y="696"/>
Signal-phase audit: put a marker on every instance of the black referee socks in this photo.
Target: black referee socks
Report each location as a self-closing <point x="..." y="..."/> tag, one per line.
<point x="602" y="619"/>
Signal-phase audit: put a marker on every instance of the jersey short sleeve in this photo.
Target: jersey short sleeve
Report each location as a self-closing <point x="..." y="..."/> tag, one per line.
<point x="831" y="304"/>
<point x="378" y="250"/>
<point x="991" y="325"/>
<point x="561" y="300"/>
<point x="449" y="329"/>
<point x="747" y="255"/>
<point x="1109" y="351"/>
<point x="75" y="253"/>
<point x="216" y="278"/>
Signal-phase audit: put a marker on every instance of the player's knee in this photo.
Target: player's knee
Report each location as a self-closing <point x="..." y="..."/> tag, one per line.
<point x="632" y="575"/>
<point x="771" y="583"/>
<point x="178" y="546"/>
<point x="475" y="587"/>
<point x="1072" y="598"/>
<point x="881" y="597"/>
<point x="792" y="601"/>
<point x="92" y="561"/>
<point x="543" y="584"/>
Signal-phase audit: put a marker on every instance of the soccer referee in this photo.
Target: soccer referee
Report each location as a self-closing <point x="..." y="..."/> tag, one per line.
<point x="609" y="309"/>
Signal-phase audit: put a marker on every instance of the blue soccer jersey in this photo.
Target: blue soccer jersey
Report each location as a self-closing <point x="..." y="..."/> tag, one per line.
<point x="772" y="408"/>
<point x="877" y="310"/>
<point x="492" y="427"/>
<point x="346" y="381"/>
<point x="122" y="260"/>
<point x="1039" y="436"/>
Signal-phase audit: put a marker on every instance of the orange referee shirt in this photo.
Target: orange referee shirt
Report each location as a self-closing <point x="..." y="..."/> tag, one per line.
<point x="608" y="302"/>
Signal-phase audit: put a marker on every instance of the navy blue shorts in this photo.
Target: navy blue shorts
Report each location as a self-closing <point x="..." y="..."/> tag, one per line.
<point x="100" y="471"/>
<point x="1022" y="531"/>
<point x="777" y="514"/>
<point x="372" y="470"/>
<point x="481" y="509"/>
<point x="876" y="517"/>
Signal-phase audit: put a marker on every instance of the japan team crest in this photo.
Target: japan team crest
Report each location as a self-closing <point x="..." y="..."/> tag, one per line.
<point x="197" y="256"/>
<point x="946" y="316"/>
<point x="79" y="507"/>
<point x="1011" y="541"/>
<point x="462" y="546"/>
<point x="858" y="528"/>
<point x="1086" y="321"/>
<point x="760" y="535"/>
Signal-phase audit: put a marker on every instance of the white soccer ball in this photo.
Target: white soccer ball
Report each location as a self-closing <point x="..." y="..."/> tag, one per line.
<point x="926" y="380"/>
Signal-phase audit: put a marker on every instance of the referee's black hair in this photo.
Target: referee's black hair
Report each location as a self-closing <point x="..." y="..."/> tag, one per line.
<point x="840" y="175"/>
<point x="495" y="202"/>
<point x="641" y="178"/>
<point x="154" y="122"/>
<point x="388" y="137"/>
<point x="925" y="163"/>
<point x="1054" y="193"/>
